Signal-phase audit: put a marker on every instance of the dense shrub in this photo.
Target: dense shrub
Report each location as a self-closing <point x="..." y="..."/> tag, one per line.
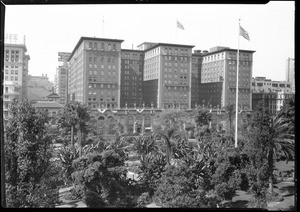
<point x="178" y="188"/>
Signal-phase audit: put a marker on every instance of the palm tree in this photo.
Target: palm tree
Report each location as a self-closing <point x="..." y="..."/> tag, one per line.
<point x="173" y="139"/>
<point x="230" y="114"/>
<point x="76" y="117"/>
<point x="270" y="139"/>
<point x="280" y="143"/>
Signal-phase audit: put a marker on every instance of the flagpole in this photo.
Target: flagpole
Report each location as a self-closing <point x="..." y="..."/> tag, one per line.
<point x="102" y="25"/>
<point x="237" y="90"/>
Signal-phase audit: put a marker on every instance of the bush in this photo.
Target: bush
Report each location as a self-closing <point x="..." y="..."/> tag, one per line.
<point x="143" y="200"/>
<point x="178" y="188"/>
<point x="93" y="200"/>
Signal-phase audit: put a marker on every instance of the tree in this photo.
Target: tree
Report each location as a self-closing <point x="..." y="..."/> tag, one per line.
<point x="101" y="177"/>
<point x="27" y="157"/>
<point x="268" y="139"/>
<point x="230" y="110"/>
<point x="203" y="117"/>
<point x="75" y="117"/>
<point x="287" y="114"/>
<point x="179" y="187"/>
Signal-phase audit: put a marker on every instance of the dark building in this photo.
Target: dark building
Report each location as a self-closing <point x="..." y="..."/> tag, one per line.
<point x="132" y="65"/>
<point x="196" y="77"/>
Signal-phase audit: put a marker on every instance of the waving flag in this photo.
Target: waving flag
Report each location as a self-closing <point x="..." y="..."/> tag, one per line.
<point x="179" y="25"/>
<point x="244" y="33"/>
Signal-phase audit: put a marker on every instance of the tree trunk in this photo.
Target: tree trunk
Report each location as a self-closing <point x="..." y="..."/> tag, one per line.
<point x="80" y="142"/>
<point x="72" y="136"/>
<point x="271" y="167"/>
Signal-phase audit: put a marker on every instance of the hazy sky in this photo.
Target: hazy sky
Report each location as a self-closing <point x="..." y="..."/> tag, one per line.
<point x="50" y="29"/>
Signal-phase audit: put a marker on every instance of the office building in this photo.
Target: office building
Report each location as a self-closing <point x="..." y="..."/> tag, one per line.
<point x="261" y="84"/>
<point x="290" y="72"/>
<point x="167" y="76"/>
<point x="94" y="72"/>
<point x="271" y="100"/>
<point x="61" y="77"/>
<point x="218" y="77"/>
<point x="16" y="64"/>
<point x="132" y="65"/>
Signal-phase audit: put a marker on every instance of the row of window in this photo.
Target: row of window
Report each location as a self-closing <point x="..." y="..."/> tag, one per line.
<point x="103" y="46"/>
<point x="95" y="59"/>
<point x="14" y="55"/>
<point x="12" y="72"/>
<point x="101" y="85"/>
<point x="175" y="51"/>
<point x="11" y="78"/>
<point x="108" y="73"/>
<point x="102" y="98"/>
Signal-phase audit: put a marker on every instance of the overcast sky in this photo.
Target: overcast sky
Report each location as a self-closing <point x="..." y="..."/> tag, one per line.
<point x="50" y="29"/>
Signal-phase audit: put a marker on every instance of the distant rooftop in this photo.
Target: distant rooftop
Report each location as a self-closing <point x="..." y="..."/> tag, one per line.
<point x="47" y="104"/>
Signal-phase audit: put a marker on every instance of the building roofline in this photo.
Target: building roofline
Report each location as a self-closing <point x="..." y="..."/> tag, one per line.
<point x="91" y="38"/>
<point x="132" y="50"/>
<point x="16" y="45"/>
<point x="223" y="50"/>
<point x="169" y="44"/>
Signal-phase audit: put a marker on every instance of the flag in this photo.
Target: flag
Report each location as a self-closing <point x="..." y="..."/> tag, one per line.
<point x="179" y="25"/>
<point x="244" y="33"/>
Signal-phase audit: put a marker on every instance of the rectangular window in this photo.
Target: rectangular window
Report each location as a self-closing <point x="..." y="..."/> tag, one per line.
<point x="7" y="55"/>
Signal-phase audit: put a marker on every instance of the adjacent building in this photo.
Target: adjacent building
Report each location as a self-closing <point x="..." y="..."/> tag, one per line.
<point x="261" y="84"/>
<point x="94" y="72"/>
<point x="290" y="72"/>
<point x="271" y="100"/>
<point x="272" y="93"/>
<point x="218" y="77"/>
<point x="40" y="81"/>
<point x="12" y="90"/>
<point x="132" y="66"/>
<point x="167" y="76"/>
<point x="16" y="65"/>
<point x="61" y="77"/>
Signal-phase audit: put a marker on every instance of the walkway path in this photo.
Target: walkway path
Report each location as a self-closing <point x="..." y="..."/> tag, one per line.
<point x="69" y="203"/>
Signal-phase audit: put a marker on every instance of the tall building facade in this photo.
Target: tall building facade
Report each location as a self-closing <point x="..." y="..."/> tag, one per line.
<point x="94" y="72"/>
<point x="132" y="65"/>
<point x="61" y="77"/>
<point x="218" y="77"/>
<point x="16" y="66"/>
<point x="167" y="76"/>
<point x="290" y="72"/>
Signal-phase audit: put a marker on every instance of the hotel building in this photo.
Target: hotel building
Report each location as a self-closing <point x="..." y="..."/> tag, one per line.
<point x="94" y="72"/>
<point x="218" y="77"/>
<point x="167" y="76"/>
<point x="132" y="65"/>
